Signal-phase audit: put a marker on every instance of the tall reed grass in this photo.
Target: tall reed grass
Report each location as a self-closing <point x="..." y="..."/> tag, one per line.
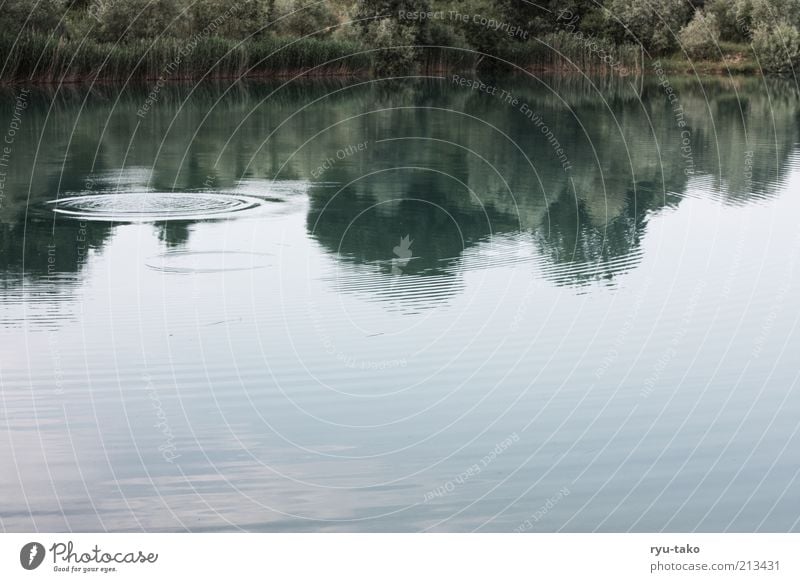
<point x="42" y="58"/>
<point x="555" y="52"/>
<point x="566" y="52"/>
<point x="39" y="58"/>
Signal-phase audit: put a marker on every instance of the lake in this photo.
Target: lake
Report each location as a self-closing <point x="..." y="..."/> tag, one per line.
<point x="536" y="304"/>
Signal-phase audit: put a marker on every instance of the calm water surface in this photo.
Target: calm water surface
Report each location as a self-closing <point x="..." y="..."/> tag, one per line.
<point x="365" y="306"/>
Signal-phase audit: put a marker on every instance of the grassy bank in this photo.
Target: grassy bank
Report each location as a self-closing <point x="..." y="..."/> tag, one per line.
<point x="42" y="59"/>
<point x="731" y="58"/>
<point x="37" y="58"/>
<point x="54" y="41"/>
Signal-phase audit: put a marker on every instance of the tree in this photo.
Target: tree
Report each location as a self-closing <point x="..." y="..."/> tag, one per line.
<point x="777" y="47"/>
<point x="770" y="13"/>
<point x="730" y="27"/>
<point x="299" y="18"/>
<point x="139" y="19"/>
<point x="652" y="23"/>
<point x="397" y="28"/>
<point x="700" y="38"/>
<point x="24" y="15"/>
<point x="236" y="20"/>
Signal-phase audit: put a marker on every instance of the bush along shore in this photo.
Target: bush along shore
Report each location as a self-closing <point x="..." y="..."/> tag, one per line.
<point x="57" y="41"/>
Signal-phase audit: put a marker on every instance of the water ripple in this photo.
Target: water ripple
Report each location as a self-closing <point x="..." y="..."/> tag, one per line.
<point x="191" y="262"/>
<point x="153" y="206"/>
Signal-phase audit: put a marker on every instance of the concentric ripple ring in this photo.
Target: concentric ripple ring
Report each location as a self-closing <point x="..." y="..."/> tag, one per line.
<point x="196" y="262"/>
<point x="153" y="206"/>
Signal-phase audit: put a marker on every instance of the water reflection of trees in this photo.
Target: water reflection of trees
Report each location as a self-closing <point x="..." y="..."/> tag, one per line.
<point x="625" y="151"/>
<point x="41" y="248"/>
<point x="47" y="255"/>
<point x="482" y="167"/>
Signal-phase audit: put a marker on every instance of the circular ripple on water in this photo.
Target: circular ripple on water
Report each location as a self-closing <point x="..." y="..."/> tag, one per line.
<point x="191" y="262"/>
<point x="153" y="206"/>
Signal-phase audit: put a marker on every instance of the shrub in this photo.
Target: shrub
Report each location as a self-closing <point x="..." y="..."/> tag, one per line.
<point x="730" y="27"/>
<point x="298" y="18"/>
<point x="21" y="15"/>
<point x="777" y="47"/>
<point x="772" y="12"/>
<point x="384" y="26"/>
<point x="237" y="20"/>
<point x="700" y="38"/>
<point x="138" y="19"/>
<point x="480" y="37"/>
<point x="652" y="23"/>
<point x="397" y="43"/>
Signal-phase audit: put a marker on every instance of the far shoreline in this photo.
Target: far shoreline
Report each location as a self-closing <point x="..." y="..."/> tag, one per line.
<point x="670" y="65"/>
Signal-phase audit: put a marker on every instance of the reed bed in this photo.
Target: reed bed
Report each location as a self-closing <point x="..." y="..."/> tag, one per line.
<point x="41" y="58"/>
<point x="567" y="52"/>
<point x="48" y="59"/>
<point x="558" y="52"/>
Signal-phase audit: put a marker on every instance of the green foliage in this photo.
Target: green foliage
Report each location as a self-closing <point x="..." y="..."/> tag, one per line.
<point x="25" y="16"/>
<point x="771" y="13"/>
<point x="51" y="59"/>
<point x="393" y="27"/>
<point x="240" y="19"/>
<point x="505" y="29"/>
<point x="540" y="17"/>
<point x="128" y="20"/>
<point x="773" y="26"/>
<point x="726" y="14"/>
<point x="652" y="23"/>
<point x="571" y="51"/>
<point x="700" y="38"/>
<point x="777" y="47"/>
<point x="765" y="14"/>
<point x="396" y="44"/>
<point x="302" y="18"/>
<point x="406" y="35"/>
<point x="479" y="37"/>
<point x="743" y="10"/>
<point x="595" y="23"/>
